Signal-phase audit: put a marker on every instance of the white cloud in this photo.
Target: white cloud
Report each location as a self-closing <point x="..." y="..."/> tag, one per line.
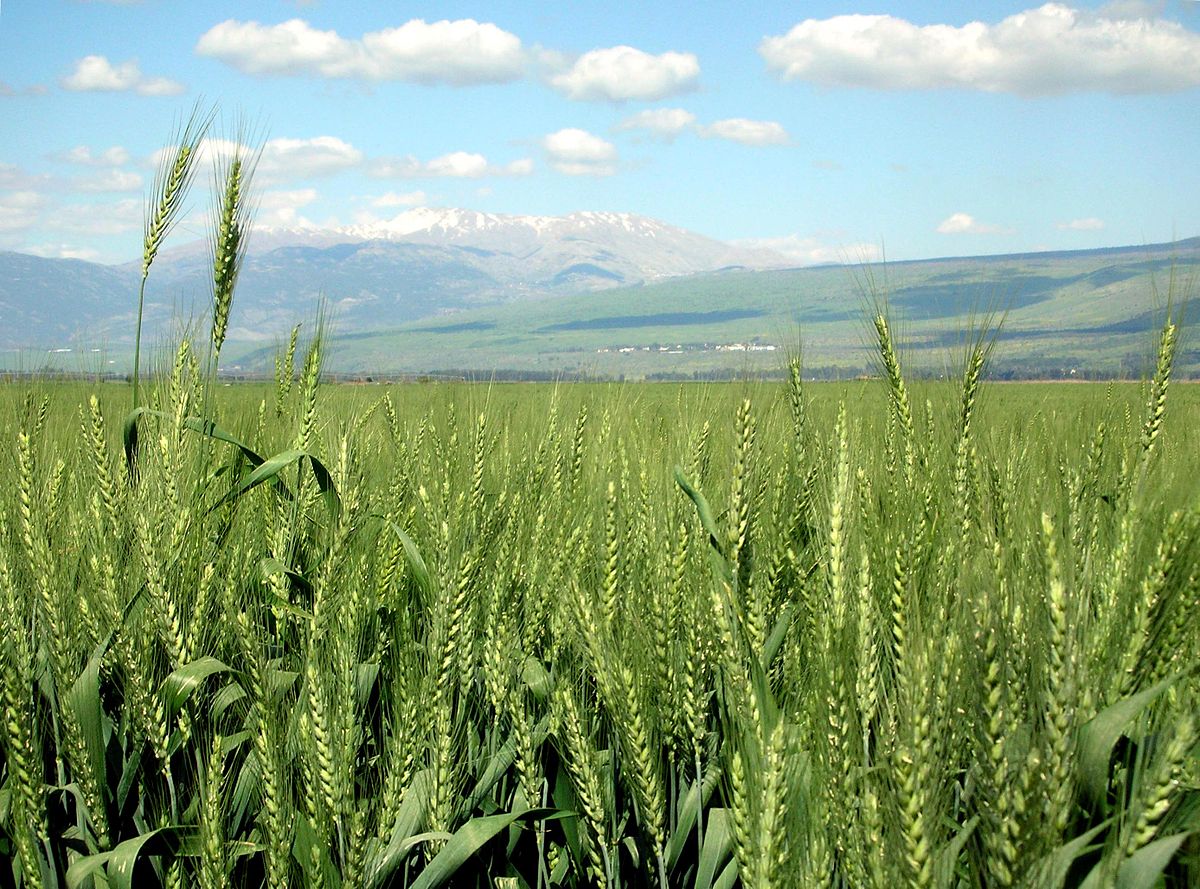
<point x="577" y="152"/>
<point x="210" y="151"/>
<point x="1051" y="50"/>
<point x="110" y="181"/>
<point x="1090" y="224"/>
<point x="84" y="156"/>
<point x="280" y="208"/>
<point x="159" y="86"/>
<point x="965" y="224"/>
<point x="455" y="165"/>
<point x="747" y="132"/>
<point x="662" y="123"/>
<point x="280" y="159"/>
<point x="8" y="91"/>
<point x="97" y="74"/>
<point x="116" y="218"/>
<point x="812" y="250"/>
<point x="400" y="199"/>
<point x="458" y="165"/>
<point x="19" y="210"/>
<point x="63" y="251"/>
<point x="305" y="158"/>
<point x="14" y="178"/>
<point x="620" y="73"/>
<point x="453" y="52"/>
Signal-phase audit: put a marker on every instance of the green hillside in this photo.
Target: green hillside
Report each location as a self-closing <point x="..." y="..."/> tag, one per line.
<point x="1090" y="312"/>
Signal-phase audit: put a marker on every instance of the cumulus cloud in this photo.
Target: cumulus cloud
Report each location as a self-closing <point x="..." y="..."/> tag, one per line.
<point x="747" y="132"/>
<point x="455" y="165"/>
<point x="815" y="250"/>
<point x="1090" y="224"/>
<point x="305" y="158"/>
<point x="458" y="52"/>
<point x="662" y="123"/>
<point x="115" y="218"/>
<point x="577" y="152"/>
<point x="400" y="199"/>
<point x="621" y="73"/>
<point x="19" y="210"/>
<point x="281" y="208"/>
<point x="966" y="224"/>
<point x="98" y="74"/>
<point x="14" y="178"/>
<point x="86" y="157"/>
<point x="63" y="251"/>
<point x="458" y="165"/>
<point x="1051" y="50"/>
<point x="281" y="159"/>
<point x="110" y="181"/>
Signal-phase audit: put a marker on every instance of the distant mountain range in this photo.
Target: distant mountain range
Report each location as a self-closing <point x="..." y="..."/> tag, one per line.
<point x="610" y="293"/>
<point x="424" y="262"/>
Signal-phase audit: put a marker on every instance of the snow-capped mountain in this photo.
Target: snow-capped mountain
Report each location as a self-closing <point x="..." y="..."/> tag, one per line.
<point x="424" y="261"/>
<point x="593" y="249"/>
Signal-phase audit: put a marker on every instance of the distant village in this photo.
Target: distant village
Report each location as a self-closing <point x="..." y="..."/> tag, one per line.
<point x="680" y="348"/>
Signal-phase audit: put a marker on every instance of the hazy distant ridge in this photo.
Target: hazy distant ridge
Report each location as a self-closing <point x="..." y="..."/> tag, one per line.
<point x="422" y="262"/>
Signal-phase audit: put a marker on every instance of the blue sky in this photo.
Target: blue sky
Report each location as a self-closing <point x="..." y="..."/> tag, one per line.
<point x="825" y="130"/>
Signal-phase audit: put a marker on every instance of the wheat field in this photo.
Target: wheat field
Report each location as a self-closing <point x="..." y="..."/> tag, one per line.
<point x="867" y="635"/>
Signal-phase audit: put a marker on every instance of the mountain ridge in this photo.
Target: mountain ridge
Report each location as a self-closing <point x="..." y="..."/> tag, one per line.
<point x="444" y="266"/>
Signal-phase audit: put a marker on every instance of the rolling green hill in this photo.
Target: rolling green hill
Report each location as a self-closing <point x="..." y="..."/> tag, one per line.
<point x="1080" y="313"/>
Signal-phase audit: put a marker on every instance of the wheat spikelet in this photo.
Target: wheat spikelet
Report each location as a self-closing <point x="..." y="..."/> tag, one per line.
<point x="898" y="394"/>
<point x="285" y="372"/>
<point x="22" y="758"/>
<point x="997" y="732"/>
<point x="231" y="228"/>
<point x="914" y="767"/>
<point x="1060" y="691"/>
<point x="1137" y="630"/>
<point x="171" y="184"/>
<point x="1160" y="784"/>
<point x="1157" y="406"/>
<point x="738" y="533"/>
<point x="213" y="866"/>
<point x="645" y="769"/>
<point x="310" y="378"/>
<point x="320" y="735"/>
<point x="796" y="399"/>
<point x="742" y="813"/>
<point x="839" y="505"/>
<point x="771" y="843"/>
<point x="585" y="778"/>
<point x="612" y="551"/>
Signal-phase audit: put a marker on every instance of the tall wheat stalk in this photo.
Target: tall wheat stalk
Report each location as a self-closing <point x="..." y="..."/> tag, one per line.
<point x="176" y="170"/>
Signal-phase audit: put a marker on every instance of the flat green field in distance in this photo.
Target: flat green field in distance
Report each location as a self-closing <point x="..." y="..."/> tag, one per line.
<point x="875" y="633"/>
<point x="1082" y="314"/>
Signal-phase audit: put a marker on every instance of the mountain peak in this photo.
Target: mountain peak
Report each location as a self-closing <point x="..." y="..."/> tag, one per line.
<point x="450" y="224"/>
